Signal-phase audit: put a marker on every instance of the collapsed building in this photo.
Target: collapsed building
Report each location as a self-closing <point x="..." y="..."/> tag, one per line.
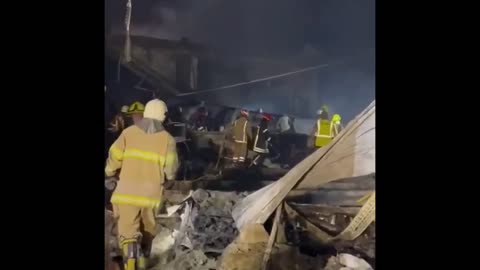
<point x="298" y="212"/>
<point x="320" y="214"/>
<point x="167" y="69"/>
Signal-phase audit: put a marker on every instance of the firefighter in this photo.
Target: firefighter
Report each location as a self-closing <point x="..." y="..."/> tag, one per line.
<point x="135" y="111"/>
<point x="262" y="138"/>
<point x="242" y="133"/>
<point x="200" y="119"/>
<point x="336" y="125"/>
<point x="321" y="135"/>
<point x="117" y="125"/>
<point x="146" y="156"/>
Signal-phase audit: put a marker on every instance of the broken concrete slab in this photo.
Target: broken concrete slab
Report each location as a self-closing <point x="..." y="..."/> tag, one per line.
<point x="247" y="251"/>
<point x="189" y="260"/>
<point x="345" y="261"/>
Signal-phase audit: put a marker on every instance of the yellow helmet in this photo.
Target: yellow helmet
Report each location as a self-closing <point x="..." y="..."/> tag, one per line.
<point x="136" y="107"/>
<point x="336" y="118"/>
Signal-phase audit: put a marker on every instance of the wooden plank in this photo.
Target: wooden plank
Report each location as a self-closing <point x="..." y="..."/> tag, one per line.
<point x="271" y="239"/>
<point x="353" y="183"/>
<point x="315" y="236"/>
<point x="257" y="207"/>
<point x="332" y="220"/>
<point x="306" y="226"/>
<point x="329" y="196"/>
<point x="311" y="209"/>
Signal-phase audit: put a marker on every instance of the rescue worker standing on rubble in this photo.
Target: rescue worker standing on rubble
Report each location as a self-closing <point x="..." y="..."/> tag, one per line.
<point x="146" y="156"/>
<point x="262" y="138"/>
<point x="242" y="133"/>
<point x="200" y="118"/>
<point x="321" y="135"/>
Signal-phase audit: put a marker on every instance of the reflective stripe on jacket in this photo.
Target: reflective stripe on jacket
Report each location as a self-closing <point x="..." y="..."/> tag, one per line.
<point x="145" y="160"/>
<point x="323" y="135"/>
<point x="241" y="130"/>
<point x="262" y="137"/>
<point x="323" y="129"/>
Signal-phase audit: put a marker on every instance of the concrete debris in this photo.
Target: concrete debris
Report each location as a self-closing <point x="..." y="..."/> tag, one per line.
<point x="353" y="262"/>
<point x="253" y="234"/>
<point x="189" y="260"/>
<point x="161" y="246"/>
<point x="111" y="242"/>
<point x="211" y="227"/>
<point x="246" y="253"/>
<point x="346" y="261"/>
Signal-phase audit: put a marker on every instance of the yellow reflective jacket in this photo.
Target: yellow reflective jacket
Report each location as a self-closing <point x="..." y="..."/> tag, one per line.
<point x="144" y="160"/>
<point x="322" y="135"/>
<point x="242" y="131"/>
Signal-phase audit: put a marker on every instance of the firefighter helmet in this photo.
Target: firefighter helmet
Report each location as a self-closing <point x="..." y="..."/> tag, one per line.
<point x="156" y="109"/>
<point x="323" y="109"/>
<point x="336" y="118"/>
<point x="136" y="107"/>
<point x="267" y="116"/>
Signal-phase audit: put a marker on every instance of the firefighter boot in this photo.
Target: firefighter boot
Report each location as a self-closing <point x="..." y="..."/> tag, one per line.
<point x="141" y="260"/>
<point x="130" y="250"/>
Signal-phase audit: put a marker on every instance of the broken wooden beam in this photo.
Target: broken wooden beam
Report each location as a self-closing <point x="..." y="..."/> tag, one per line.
<point x="271" y="239"/>
<point x="327" y="196"/>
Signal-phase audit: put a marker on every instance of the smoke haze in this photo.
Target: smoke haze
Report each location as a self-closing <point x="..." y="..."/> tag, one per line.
<point x="242" y="31"/>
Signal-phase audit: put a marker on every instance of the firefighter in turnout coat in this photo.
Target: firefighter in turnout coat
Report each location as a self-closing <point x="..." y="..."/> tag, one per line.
<point x="262" y="138"/>
<point x="242" y="133"/>
<point x="146" y="156"/>
<point x="321" y="134"/>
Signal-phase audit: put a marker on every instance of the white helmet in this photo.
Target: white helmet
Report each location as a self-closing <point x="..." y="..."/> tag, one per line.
<point x="155" y="109"/>
<point x="124" y="109"/>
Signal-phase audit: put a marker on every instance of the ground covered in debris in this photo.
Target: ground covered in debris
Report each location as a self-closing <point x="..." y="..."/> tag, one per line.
<point x="204" y="237"/>
<point x="203" y="231"/>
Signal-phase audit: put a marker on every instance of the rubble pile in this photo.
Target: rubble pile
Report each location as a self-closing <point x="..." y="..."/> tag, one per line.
<point x="111" y="242"/>
<point x="204" y="230"/>
<point x="346" y="261"/>
<point x="189" y="260"/>
<point x="246" y="252"/>
<point x="211" y="227"/>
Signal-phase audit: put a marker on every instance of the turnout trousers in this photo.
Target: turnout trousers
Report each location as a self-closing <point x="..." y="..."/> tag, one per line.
<point x="239" y="152"/>
<point x="136" y="224"/>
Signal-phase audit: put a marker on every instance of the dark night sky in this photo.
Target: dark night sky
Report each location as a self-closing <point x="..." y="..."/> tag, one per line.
<point x="339" y="29"/>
